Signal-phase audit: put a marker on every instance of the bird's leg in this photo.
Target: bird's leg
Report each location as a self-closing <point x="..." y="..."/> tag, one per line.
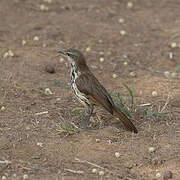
<point x="88" y="112"/>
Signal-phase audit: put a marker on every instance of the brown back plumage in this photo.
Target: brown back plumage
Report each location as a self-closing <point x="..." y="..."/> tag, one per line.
<point x="88" y="85"/>
<point x="91" y="87"/>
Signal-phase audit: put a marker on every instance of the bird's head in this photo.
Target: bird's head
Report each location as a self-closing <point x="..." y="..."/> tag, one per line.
<point x="75" y="57"/>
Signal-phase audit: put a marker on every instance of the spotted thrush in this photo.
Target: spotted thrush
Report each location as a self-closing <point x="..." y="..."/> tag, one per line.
<point x="89" y="91"/>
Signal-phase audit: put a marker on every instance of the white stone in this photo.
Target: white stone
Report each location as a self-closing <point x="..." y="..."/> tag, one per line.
<point x="47" y="91"/>
<point x="23" y="42"/>
<point x="114" y="76"/>
<point x="25" y="176"/>
<point x="88" y="49"/>
<point x="158" y="174"/>
<point x="154" y="93"/>
<point x="173" y="45"/>
<point x="121" y="20"/>
<point x="2" y="108"/>
<point x="117" y="154"/>
<point x="101" y="59"/>
<point x="129" y="5"/>
<point x="101" y="173"/>
<point x="4" y="178"/>
<point x="167" y="73"/>
<point x="11" y="54"/>
<point x="133" y="74"/>
<point x="98" y="140"/>
<point x="94" y="171"/>
<point x="61" y="59"/>
<point x="40" y="144"/>
<point x="36" y="38"/>
<point x="151" y="149"/>
<point x="123" y="32"/>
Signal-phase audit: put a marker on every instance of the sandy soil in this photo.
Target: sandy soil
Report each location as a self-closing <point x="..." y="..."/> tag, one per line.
<point x="32" y="144"/>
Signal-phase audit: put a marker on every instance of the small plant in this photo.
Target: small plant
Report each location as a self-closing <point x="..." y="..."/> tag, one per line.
<point x="147" y="113"/>
<point x="121" y="102"/>
<point x="67" y="127"/>
<point x="77" y="112"/>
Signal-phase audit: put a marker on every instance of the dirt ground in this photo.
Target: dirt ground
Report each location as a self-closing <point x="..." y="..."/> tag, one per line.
<point x="32" y="143"/>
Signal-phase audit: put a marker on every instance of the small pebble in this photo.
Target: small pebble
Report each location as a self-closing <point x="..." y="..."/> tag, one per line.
<point x="50" y="68"/>
<point x="88" y="49"/>
<point x="158" y="174"/>
<point x="98" y="140"/>
<point x="129" y="5"/>
<point x="44" y="7"/>
<point x="125" y="63"/>
<point x="100" y="41"/>
<point x="101" y="173"/>
<point x="167" y="175"/>
<point x="173" y="45"/>
<point x="47" y="91"/>
<point x="36" y="38"/>
<point x="25" y="176"/>
<point x="40" y="144"/>
<point x="4" y="178"/>
<point x="23" y="42"/>
<point x="167" y="74"/>
<point x="154" y="93"/>
<point x="114" y="76"/>
<point x="151" y="149"/>
<point x="11" y="54"/>
<point x="133" y="74"/>
<point x="117" y="154"/>
<point x="171" y="55"/>
<point x="94" y="171"/>
<point x="123" y="33"/>
<point x="101" y="59"/>
<point x="121" y="20"/>
<point x="2" y="108"/>
<point x="61" y="59"/>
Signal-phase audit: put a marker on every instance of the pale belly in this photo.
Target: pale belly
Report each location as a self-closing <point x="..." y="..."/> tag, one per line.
<point x="80" y="96"/>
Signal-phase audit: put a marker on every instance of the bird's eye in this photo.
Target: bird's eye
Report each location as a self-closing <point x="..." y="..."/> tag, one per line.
<point x="70" y="54"/>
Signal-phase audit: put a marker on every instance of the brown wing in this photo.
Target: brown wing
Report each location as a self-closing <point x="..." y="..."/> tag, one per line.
<point x="89" y="85"/>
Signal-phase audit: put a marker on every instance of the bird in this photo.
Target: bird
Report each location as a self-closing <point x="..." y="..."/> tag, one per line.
<point x="89" y="91"/>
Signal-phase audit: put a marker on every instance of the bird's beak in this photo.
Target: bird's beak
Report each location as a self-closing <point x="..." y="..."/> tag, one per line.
<point x="62" y="52"/>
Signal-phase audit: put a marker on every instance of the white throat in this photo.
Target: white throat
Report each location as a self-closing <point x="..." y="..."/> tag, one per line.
<point x="71" y="61"/>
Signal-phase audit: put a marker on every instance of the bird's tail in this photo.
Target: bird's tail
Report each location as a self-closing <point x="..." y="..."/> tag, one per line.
<point x="125" y="120"/>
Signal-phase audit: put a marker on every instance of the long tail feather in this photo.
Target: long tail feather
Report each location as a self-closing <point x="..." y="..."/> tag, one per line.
<point x="125" y="120"/>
